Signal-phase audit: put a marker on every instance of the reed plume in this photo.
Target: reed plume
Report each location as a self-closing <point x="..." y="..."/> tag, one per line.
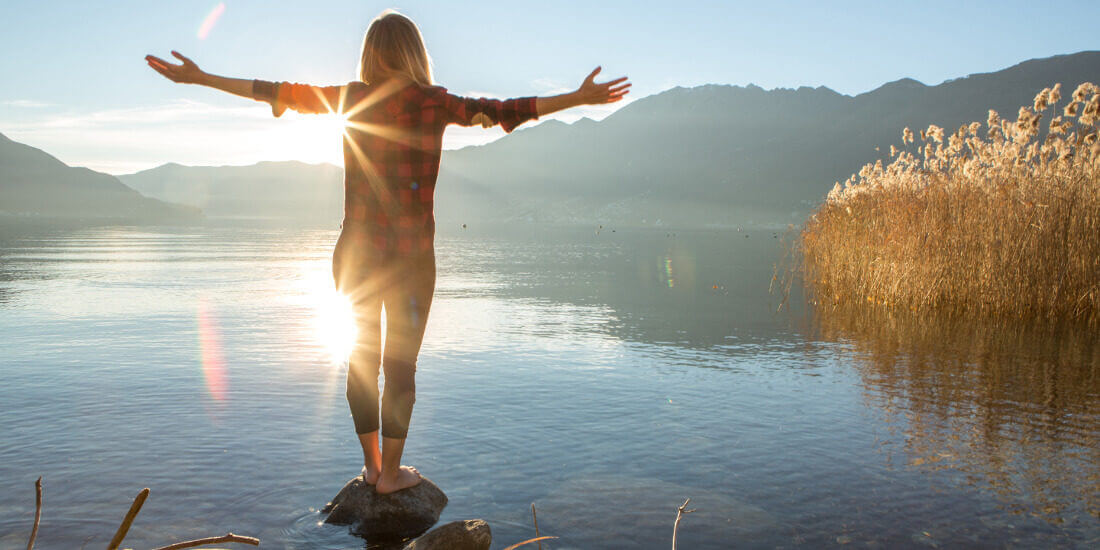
<point x="1006" y="223"/>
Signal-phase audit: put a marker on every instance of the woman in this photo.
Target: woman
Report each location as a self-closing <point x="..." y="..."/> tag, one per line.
<point x="384" y="255"/>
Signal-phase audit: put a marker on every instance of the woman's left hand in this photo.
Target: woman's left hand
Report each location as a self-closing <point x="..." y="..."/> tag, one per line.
<point x="591" y="93"/>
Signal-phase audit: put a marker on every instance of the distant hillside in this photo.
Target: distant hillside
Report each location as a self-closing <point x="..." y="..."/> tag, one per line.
<point x="290" y="190"/>
<point x="36" y="186"/>
<point x="710" y="155"/>
<point x="722" y="154"/>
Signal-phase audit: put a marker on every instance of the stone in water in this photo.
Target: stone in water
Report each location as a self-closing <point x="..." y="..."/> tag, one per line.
<point x="470" y="534"/>
<point x="399" y="515"/>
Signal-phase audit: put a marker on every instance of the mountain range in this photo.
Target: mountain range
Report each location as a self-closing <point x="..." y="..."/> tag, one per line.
<point x="35" y="186"/>
<point x="723" y="155"/>
<point x="714" y="155"/>
<point x="288" y="189"/>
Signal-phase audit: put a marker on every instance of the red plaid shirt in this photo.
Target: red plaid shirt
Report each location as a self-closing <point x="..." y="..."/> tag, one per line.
<point x="392" y="144"/>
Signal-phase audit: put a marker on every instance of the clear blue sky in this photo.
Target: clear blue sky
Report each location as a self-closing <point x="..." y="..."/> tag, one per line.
<point x="72" y="79"/>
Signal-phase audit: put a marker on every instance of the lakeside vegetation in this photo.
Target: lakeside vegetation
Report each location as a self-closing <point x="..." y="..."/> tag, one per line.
<point x="1000" y="219"/>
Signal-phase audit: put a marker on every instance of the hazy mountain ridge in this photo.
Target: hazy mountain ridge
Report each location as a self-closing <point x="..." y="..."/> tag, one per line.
<point x="729" y="154"/>
<point x="36" y="185"/>
<point x="708" y="155"/>
<point x="288" y="189"/>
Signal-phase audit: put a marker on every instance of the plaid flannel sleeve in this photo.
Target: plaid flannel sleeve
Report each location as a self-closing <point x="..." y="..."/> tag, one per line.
<point x="508" y="113"/>
<point x="303" y="98"/>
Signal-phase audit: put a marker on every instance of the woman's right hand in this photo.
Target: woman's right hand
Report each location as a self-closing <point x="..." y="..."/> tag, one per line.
<point x="185" y="73"/>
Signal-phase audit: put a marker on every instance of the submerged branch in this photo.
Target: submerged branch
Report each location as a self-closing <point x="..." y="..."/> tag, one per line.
<point x="38" y="512"/>
<point x="124" y="528"/>
<point x="228" y="537"/>
<point x="680" y="513"/>
<point x="536" y="519"/>
<point x="529" y="541"/>
<point x="139" y="500"/>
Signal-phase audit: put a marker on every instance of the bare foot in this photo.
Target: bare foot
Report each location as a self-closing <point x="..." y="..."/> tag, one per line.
<point x="406" y="477"/>
<point x="370" y="475"/>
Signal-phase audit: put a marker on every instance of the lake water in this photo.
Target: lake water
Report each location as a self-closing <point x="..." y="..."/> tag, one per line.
<point x="603" y="376"/>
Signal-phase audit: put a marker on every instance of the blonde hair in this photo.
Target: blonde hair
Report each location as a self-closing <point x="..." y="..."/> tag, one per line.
<point x="392" y="47"/>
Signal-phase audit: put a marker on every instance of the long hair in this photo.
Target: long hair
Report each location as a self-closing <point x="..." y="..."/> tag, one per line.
<point x="392" y="47"/>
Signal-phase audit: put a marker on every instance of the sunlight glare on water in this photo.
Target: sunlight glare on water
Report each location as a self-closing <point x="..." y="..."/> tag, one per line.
<point x="332" y="319"/>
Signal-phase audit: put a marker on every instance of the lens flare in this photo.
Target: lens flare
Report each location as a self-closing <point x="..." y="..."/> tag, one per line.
<point x="211" y="20"/>
<point x="210" y="349"/>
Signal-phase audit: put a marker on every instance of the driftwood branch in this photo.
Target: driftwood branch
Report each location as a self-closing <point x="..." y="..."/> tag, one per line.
<point x="228" y="537"/>
<point x="528" y="541"/>
<point x="536" y="518"/>
<point x="680" y="513"/>
<point x="139" y="500"/>
<point x="38" y="512"/>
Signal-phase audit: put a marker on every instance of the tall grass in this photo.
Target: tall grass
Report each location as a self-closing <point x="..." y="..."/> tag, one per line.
<point x="997" y="219"/>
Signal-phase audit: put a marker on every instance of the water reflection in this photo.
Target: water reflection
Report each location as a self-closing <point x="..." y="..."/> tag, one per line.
<point x="1014" y="408"/>
<point x="701" y="291"/>
<point x="6" y="278"/>
<point x="12" y="243"/>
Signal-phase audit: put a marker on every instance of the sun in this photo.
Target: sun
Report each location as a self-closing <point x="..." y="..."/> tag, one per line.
<point x="308" y="138"/>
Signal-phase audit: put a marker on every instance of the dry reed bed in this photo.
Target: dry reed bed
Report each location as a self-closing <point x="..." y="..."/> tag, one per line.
<point x="1000" y="219"/>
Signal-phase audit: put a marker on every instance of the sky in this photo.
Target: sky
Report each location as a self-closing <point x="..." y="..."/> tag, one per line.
<point x="73" y="81"/>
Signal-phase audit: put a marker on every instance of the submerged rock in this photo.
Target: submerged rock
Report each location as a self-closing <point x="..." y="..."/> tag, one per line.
<point x="396" y="516"/>
<point x="470" y="534"/>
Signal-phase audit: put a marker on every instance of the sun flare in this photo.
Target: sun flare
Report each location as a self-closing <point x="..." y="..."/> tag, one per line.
<point x="311" y="138"/>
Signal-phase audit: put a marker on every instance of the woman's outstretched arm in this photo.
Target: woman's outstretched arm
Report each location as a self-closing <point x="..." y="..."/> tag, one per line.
<point x="589" y="93"/>
<point x="190" y="73"/>
<point x="300" y="97"/>
<point x="513" y="112"/>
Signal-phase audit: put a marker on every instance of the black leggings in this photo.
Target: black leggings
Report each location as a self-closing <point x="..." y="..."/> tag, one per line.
<point x="404" y="285"/>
